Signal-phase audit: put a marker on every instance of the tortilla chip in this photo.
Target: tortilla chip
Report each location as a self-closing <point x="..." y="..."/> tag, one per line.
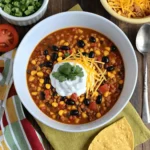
<point x="118" y="136"/>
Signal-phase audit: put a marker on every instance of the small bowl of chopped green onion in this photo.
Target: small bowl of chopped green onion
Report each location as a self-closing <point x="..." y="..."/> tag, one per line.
<point x="23" y="12"/>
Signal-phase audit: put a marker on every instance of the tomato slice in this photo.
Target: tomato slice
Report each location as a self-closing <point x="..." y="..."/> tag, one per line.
<point x="104" y="88"/>
<point x="74" y="96"/>
<point x="9" y="37"/>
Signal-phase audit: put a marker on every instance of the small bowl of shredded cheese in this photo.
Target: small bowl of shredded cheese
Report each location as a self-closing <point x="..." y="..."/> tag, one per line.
<point x="131" y="11"/>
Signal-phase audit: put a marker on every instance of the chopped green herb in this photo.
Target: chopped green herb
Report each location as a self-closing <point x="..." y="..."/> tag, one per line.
<point x="68" y="72"/>
<point x="20" y="8"/>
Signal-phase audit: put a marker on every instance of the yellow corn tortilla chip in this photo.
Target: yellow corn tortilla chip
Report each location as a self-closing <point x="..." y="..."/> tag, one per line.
<point x="118" y="136"/>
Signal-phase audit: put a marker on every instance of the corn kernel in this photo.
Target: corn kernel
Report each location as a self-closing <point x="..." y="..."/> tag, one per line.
<point x="61" y="112"/>
<point x="87" y="50"/>
<point x="34" y="93"/>
<point x="33" y="72"/>
<point x="40" y="74"/>
<point x="96" y="93"/>
<point x="85" y="41"/>
<point x="77" y="120"/>
<point x="102" y="39"/>
<point x="69" y="107"/>
<point x="31" y="78"/>
<point x="54" y="104"/>
<point x="110" y="75"/>
<point x="42" y="105"/>
<point x="81" y="99"/>
<point x="48" y="86"/>
<point x="59" y="59"/>
<point x="114" y="72"/>
<point x="88" y="45"/>
<point x="73" y="107"/>
<point x="113" y="61"/>
<point x="80" y="31"/>
<point x="107" y="48"/>
<point x="97" y="52"/>
<point x="54" y="116"/>
<point x="91" y="49"/>
<point x="40" y="84"/>
<point x="97" y="39"/>
<point x="61" y="102"/>
<point x="48" y="57"/>
<point x="98" y="115"/>
<point x="66" y="44"/>
<point x="41" y="81"/>
<point x="106" y="53"/>
<point x="61" y="42"/>
<point x="84" y="115"/>
<point x="75" y="37"/>
<point x="33" y="62"/>
<point x="81" y="50"/>
<point x="65" y="111"/>
<point x="38" y="68"/>
<point x="121" y="82"/>
<point x="60" y="54"/>
<point x="99" y="45"/>
<point x="106" y="94"/>
<point x="39" y="89"/>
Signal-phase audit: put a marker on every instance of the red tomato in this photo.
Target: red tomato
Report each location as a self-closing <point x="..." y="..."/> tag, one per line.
<point x="74" y="96"/>
<point x="93" y="106"/>
<point x="8" y="37"/>
<point x="104" y="88"/>
<point x="99" y="58"/>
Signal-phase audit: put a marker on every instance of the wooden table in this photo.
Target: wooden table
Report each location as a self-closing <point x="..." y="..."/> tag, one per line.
<point x="94" y="6"/>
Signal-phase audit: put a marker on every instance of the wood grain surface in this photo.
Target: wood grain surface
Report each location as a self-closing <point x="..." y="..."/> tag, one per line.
<point x="94" y="6"/>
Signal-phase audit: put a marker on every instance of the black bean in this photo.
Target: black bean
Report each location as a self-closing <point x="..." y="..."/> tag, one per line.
<point x="46" y="80"/>
<point x="74" y="112"/>
<point x="99" y="99"/>
<point x="110" y="68"/>
<point x="91" y="54"/>
<point x="55" y="93"/>
<point x="48" y="64"/>
<point x="42" y="95"/>
<point x="45" y="52"/>
<point x="86" y="102"/>
<point x="120" y="87"/>
<point x="81" y="43"/>
<point x="70" y="102"/>
<point x="65" y="48"/>
<point x="62" y="98"/>
<point x="42" y="65"/>
<point x="84" y="53"/>
<point x="113" y="48"/>
<point x="105" y="59"/>
<point x="54" y="56"/>
<point x="92" y="39"/>
<point x="55" y="48"/>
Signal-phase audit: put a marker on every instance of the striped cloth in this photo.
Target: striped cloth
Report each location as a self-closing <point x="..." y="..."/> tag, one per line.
<point x="16" y="132"/>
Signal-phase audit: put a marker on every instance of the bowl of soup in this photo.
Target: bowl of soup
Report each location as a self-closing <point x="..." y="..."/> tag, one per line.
<point x="75" y="75"/>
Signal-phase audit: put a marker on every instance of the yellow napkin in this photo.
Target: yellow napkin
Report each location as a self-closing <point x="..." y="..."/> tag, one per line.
<point x="80" y="141"/>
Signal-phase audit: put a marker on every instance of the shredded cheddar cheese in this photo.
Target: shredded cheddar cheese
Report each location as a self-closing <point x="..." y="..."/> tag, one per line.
<point x="95" y="75"/>
<point x="131" y="8"/>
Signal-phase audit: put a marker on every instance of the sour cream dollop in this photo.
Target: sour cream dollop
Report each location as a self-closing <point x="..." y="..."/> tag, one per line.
<point x="69" y="87"/>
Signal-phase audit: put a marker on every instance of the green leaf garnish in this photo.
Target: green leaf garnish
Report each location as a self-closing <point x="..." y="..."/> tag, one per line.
<point x="68" y="72"/>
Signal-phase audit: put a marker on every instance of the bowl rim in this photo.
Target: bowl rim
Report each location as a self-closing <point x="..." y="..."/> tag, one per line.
<point x="122" y="18"/>
<point x="44" y="4"/>
<point x="109" y="118"/>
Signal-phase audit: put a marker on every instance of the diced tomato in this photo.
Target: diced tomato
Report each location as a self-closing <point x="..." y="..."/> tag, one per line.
<point x="93" y="106"/>
<point x="74" y="96"/>
<point x="70" y="51"/>
<point x="94" y="44"/>
<point x="61" y="106"/>
<point x="104" y="88"/>
<point x="112" y="55"/>
<point x="47" y="94"/>
<point x="43" y="109"/>
<point x="9" y="37"/>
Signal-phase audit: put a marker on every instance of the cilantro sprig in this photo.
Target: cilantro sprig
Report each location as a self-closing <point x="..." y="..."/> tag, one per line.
<point x="68" y="72"/>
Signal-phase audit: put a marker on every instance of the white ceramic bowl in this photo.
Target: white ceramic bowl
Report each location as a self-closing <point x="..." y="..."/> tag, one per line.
<point x="24" y="21"/>
<point x="73" y="19"/>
